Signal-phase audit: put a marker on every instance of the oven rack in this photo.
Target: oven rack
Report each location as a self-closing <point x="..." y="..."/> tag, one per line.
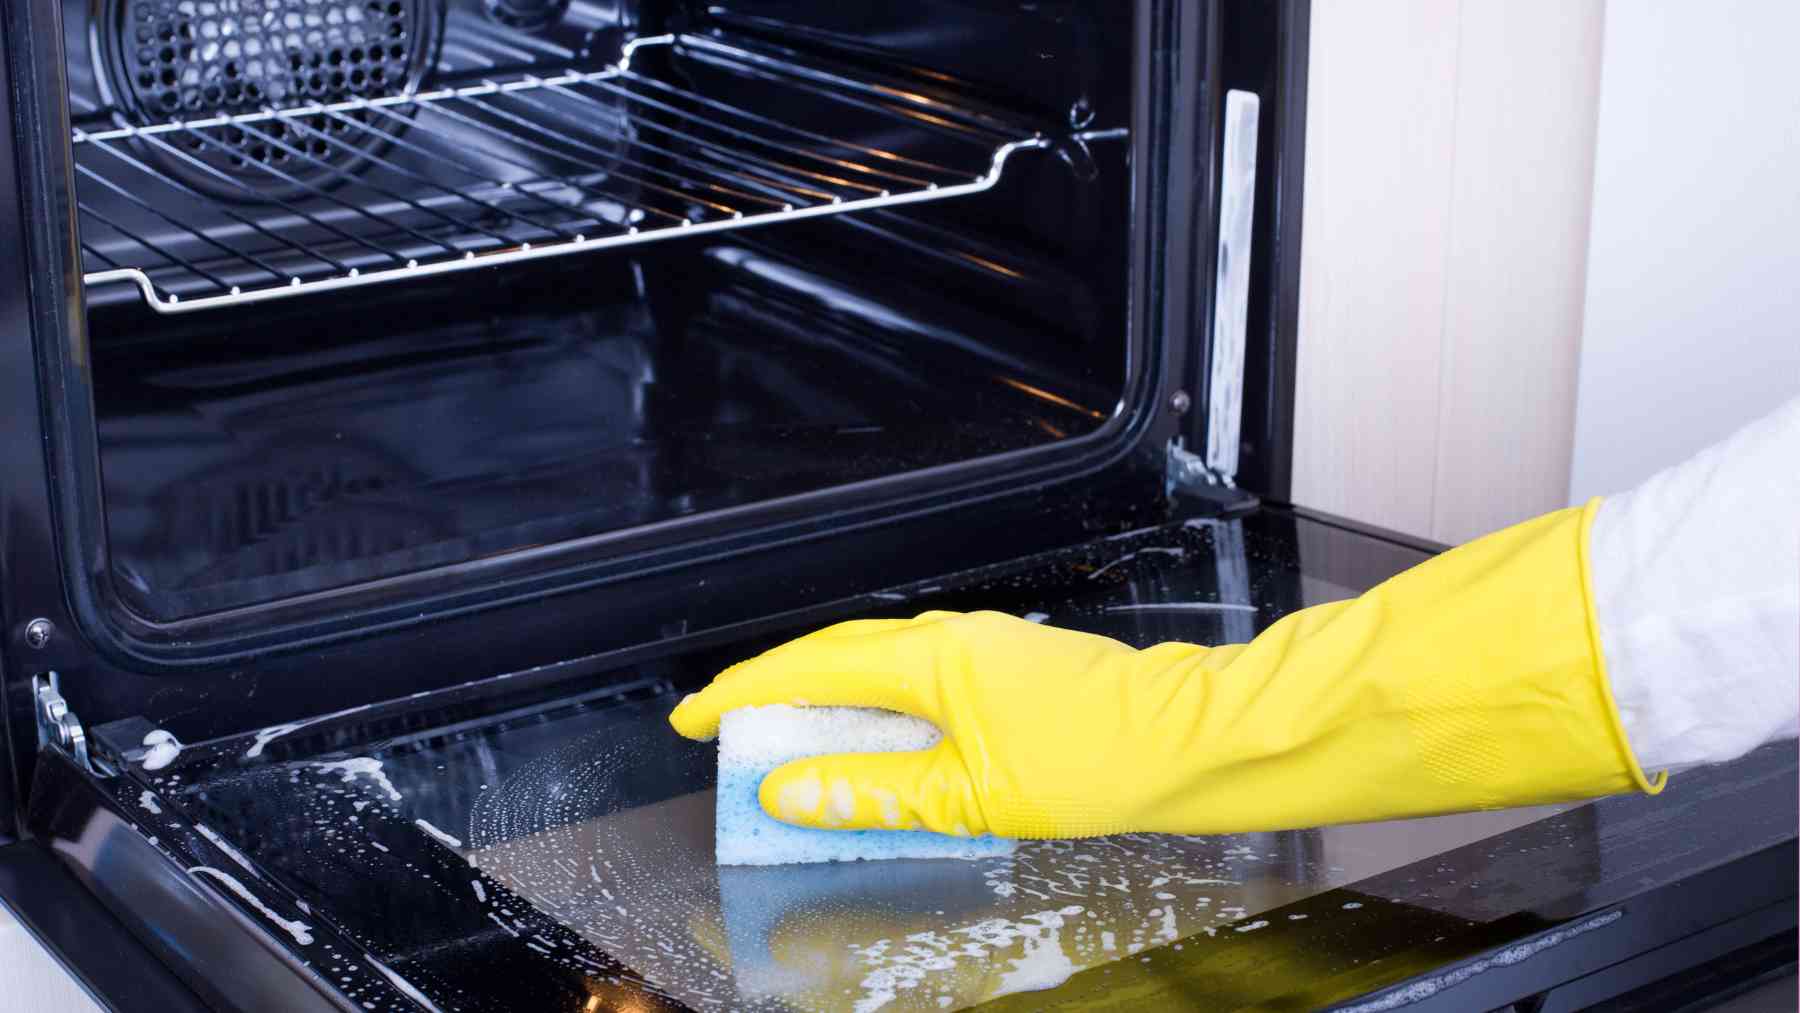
<point x="378" y="190"/>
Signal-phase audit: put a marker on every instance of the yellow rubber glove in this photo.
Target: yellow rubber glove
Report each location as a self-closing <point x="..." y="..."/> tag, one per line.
<point x="1472" y="681"/>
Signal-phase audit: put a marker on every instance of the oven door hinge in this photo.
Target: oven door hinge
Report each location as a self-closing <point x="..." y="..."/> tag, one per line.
<point x="57" y="725"/>
<point x="1187" y="477"/>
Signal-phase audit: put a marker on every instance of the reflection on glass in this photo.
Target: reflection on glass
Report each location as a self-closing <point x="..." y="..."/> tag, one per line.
<point x="639" y="883"/>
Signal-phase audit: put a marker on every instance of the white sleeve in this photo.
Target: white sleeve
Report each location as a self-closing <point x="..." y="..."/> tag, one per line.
<point x="1696" y="583"/>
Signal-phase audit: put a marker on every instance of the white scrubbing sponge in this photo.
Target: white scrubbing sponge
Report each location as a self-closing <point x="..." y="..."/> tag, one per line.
<point x="756" y="740"/>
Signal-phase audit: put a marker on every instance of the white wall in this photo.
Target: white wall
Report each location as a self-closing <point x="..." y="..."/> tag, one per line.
<point x="1449" y="155"/>
<point x="1692" y="322"/>
<point x="31" y="981"/>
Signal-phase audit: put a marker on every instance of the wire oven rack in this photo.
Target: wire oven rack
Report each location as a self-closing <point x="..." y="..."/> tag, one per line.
<point x="502" y="172"/>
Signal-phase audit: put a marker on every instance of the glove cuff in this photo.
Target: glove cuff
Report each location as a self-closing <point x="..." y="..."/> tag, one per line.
<point x="1648" y="785"/>
<point x="1502" y="679"/>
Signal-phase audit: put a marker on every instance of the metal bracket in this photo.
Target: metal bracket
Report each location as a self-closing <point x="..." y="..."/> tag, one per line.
<point x="57" y="725"/>
<point x="1187" y="469"/>
<point x="1186" y="474"/>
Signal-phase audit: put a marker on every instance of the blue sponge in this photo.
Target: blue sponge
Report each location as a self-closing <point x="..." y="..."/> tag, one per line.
<point x="756" y="740"/>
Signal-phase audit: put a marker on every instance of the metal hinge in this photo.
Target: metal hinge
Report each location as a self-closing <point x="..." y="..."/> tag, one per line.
<point x="1187" y="474"/>
<point x="57" y="725"/>
<point x="1188" y="470"/>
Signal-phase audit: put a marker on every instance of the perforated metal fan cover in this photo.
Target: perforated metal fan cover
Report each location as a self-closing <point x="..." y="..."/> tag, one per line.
<point x="191" y="59"/>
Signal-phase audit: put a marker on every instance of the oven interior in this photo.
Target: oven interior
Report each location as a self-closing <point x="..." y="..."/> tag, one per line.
<point x="379" y="286"/>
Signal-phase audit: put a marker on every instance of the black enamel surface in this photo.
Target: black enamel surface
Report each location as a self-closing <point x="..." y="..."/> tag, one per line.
<point x="558" y="406"/>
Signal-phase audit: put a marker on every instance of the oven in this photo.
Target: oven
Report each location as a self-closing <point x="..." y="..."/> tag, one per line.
<point x="408" y="400"/>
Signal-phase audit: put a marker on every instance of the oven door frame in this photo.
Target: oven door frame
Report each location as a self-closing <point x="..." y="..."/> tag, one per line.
<point x="1170" y="151"/>
<point x="209" y="676"/>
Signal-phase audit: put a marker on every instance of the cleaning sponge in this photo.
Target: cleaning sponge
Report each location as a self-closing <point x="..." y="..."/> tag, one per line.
<point x="756" y="740"/>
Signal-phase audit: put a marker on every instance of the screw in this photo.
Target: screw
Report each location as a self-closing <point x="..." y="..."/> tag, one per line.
<point x="1179" y="402"/>
<point x="37" y="633"/>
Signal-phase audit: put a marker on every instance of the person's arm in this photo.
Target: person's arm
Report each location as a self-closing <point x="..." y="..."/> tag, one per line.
<point x="1475" y="680"/>
<point x="1696" y="588"/>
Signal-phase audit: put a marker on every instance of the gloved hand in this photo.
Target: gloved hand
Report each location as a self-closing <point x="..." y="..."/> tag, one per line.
<point x="1472" y="681"/>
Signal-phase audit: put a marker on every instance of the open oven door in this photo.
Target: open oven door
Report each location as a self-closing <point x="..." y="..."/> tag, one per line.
<point x="544" y="841"/>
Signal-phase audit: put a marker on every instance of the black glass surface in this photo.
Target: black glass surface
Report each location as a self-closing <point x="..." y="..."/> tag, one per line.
<point x="550" y="848"/>
<point x="540" y="857"/>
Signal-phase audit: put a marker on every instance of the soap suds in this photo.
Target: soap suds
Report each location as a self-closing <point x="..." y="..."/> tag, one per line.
<point x="223" y="845"/>
<point x="480" y="891"/>
<point x="1168" y="932"/>
<point x="301" y="931"/>
<point x="1043" y="966"/>
<point x="439" y="834"/>
<point x="502" y="923"/>
<point x="1036" y="617"/>
<point x="880" y="936"/>
<point x="403" y="985"/>
<point x="148" y="801"/>
<point x="365" y="765"/>
<point x="267" y="735"/>
<point x="162" y="749"/>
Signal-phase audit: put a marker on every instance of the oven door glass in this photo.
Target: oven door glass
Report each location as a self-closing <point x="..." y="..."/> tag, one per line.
<point x="560" y="856"/>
